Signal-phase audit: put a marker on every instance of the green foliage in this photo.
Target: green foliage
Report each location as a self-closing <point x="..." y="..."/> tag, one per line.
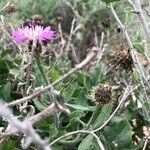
<point x="103" y="115"/>
<point x="86" y="143"/>
<point x="110" y="1"/>
<point x="119" y="133"/>
<point x="139" y="47"/>
<point x="8" y="70"/>
<point x="8" y="144"/>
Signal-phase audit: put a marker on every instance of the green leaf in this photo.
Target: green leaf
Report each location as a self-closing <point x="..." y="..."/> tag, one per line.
<point x="3" y="67"/>
<point x="119" y="132"/>
<point x="86" y="143"/>
<point x="6" y="51"/>
<point x="52" y="131"/>
<point x="14" y="72"/>
<point x="38" y="104"/>
<point x="57" y="147"/>
<point x="103" y="116"/>
<point x="80" y="77"/>
<point x="139" y="47"/>
<point x="5" y="91"/>
<point x="15" y="95"/>
<point x="77" y="114"/>
<point x="68" y="92"/>
<point x="79" y="107"/>
<point x="96" y="74"/>
<point x="4" y="78"/>
<point x="8" y="144"/>
<point x="54" y="74"/>
<point x="110" y="1"/>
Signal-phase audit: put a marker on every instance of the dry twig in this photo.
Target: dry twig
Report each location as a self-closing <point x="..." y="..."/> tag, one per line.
<point x="24" y="127"/>
<point x="83" y="132"/>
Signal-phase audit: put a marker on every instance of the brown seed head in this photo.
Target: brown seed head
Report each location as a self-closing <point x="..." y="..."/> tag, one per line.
<point x="11" y="8"/>
<point x="124" y="60"/>
<point x="103" y="94"/>
<point x="106" y="22"/>
<point x="37" y="17"/>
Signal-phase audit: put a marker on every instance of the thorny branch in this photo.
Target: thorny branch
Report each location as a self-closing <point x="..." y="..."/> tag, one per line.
<point x="83" y="132"/>
<point x="51" y="109"/>
<point x="138" y="10"/>
<point x="24" y="127"/>
<point x="55" y="106"/>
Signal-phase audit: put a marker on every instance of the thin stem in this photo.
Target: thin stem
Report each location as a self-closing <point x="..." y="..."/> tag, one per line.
<point x="29" y="70"/>
<point x="83" y="132"/>
<point x="4" y="7"/>
<point x="138" y="9"/>
<point x="145" y="144"/>
<point x="40" y="68"/>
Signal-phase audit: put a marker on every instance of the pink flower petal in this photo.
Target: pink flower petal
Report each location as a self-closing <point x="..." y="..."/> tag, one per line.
<point x="33" y="32"/>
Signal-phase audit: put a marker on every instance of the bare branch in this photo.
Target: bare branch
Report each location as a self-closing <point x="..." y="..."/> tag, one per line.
<point x="83" y="132"/>
<point x="138" y="10"/>
<point x="145" y="144"/>
<point x="4" y="7"/>
<point x="55" y="106"/>
<point x="24" y="127"/>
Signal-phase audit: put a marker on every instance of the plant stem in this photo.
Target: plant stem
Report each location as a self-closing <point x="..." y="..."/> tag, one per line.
<point x="39" y="65"/>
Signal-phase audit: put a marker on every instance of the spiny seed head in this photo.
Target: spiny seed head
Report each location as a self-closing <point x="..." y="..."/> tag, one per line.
<point x="124" y="60"/>
<point x="121" y="60"/>
<point x="37" y="18"/>
<point x="102" y="94"/>
<point x="106" y="22"/>
<point x="11" y="8"/>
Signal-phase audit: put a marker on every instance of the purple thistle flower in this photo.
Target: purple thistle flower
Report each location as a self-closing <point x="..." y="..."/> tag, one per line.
<point x="33" y="30"/>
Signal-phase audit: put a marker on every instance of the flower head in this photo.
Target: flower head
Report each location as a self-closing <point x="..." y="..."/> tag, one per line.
<point x="33" y="30"/>
<point x="102" y="94"/>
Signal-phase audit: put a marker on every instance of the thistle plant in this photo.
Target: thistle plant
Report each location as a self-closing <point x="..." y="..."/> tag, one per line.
<point x="81" y="86"/>
<point x="33" y="31"/>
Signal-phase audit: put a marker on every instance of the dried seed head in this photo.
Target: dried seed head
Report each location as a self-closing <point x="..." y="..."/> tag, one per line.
<point x="11" y="8"/>
<point x="121" y="60"/>
<point x="106" y="22"/>
<point x="103" y="94"/>
<point x="37" y="17"/>
<point x="124" y="60"/>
